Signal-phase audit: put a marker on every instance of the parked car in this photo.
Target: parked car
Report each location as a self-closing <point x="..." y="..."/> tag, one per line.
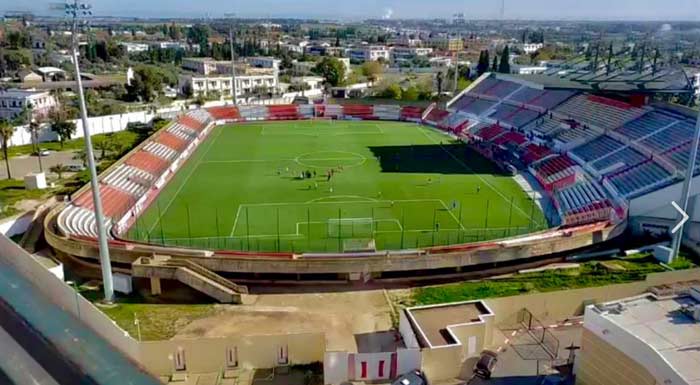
<point x="414" y="377"/>
<point x="484" y="367"/>
<point x="42" y="152"/>
<point x="75" y="167"/>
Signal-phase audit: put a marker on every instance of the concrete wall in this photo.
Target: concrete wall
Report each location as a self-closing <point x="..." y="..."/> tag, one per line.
<point x="98" y="125"/>
<point x="16" y="225"/>
<point x="602" y="364"/>
<point x="443" y="363"/>
<point x="618" y="344"/>
<point x="208" y="355"/>
<point x="560" y="305"/>
<point x="489" y="252"/>
<point x="65" y="296"/>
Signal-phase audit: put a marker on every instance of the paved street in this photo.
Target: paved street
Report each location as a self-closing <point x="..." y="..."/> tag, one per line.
<point x="25" y="164"/>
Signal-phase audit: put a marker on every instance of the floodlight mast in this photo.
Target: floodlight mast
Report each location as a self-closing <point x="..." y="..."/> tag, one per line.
<point x="77" y="11"/>
<point x="685" y="194"/>
<point x="233" y="60"/>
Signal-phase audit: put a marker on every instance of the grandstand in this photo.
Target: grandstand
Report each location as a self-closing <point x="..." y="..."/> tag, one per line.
<point x="591" y="156"/>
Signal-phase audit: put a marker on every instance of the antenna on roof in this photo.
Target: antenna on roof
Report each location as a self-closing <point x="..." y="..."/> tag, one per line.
<point x="77" y="13"/>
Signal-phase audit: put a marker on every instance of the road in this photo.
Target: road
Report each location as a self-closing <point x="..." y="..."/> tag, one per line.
<point x="25" y="164"/>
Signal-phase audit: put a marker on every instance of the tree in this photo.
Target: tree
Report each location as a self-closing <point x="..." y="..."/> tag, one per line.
<point x="62" y="127"/>
<point x="504" y="67"/>
<point x="494" y="67"/>
<point x="332" y="70"/>
<point x="33" y="128"/>
<point x="411" y="94"/>
<point x="484" y="62"/>
<point x="81" y="156"/>
<point x="59" y="169"/>
<point x="440" y="81"/>
<point x="372" y="70"/>
<point x="102" y="143"/>
<point x="393" y="91"/>
<point x="6" y="132"/>
<point x="148" y="82"/>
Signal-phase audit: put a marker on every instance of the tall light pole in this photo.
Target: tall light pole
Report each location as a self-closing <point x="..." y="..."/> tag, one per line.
<point x="685" y="194"/>
<point x="77" y="11"/>
<point x="233" y="60"/>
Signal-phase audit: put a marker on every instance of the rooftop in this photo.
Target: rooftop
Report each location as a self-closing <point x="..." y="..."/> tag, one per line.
<point x="660" y="324"/>
<point x="433" y="321"/>
<point x="19" y="93"/>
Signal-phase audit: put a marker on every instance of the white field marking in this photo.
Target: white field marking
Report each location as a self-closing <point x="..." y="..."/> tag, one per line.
<point x="492" y="187"/>
<point x="452" y="215"/>
<point x="235" y="224"/>
<point x="276" y="160"/>
<point x="235" y="221"/>
<point x="184" y="182"/>
<point x="393" y="220"/>
<point x="366" y="199"/>
<point x="343" y="202"/>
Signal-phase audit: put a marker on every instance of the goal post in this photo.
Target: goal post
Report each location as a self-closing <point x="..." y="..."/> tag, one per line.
<point x="350" y="227"/>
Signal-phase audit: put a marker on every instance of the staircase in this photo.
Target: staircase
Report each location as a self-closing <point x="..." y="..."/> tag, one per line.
<point x="191" y="274"/>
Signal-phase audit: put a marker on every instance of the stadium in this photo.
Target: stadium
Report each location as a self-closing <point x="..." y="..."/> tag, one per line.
<point x="511" y="172"/>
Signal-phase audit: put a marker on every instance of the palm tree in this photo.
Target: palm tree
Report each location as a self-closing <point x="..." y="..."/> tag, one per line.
<point x="81" y="156"/>
<point x="103" y="144"/>
<point x="33" y="128"/>
<point x="6" y="132"/>
<point x="59" y="169"/>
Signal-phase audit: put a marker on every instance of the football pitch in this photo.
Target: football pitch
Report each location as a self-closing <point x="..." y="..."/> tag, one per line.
<point x="329" y="186"/>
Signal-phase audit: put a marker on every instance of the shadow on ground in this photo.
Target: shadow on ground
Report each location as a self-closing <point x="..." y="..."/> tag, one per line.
<point x="450" y="158"/>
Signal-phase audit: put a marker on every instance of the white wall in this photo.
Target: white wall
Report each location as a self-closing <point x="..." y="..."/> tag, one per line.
<point x="16" y="225"/>
<point x="633" y="347"/>
<point x="98" y="125"/>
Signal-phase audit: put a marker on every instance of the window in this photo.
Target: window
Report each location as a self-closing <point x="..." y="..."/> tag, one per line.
<point x="282" y="355"/>
<point x="232" y="357"/>
<point x="471" y="346"/>
<point x="180" y="360"/>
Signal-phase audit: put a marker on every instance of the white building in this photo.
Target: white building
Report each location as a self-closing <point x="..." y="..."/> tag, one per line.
<point x="530" y="47"/>
<point x="649" y="339"/>
<point x="312" y="82"/>
<point x="134" y="47"/>
<point x="13" y="101"/>
<point x="203" y="66"/>
<point x="171" y="44"/>
<point x="402" y="54"/>
<point x="245" y="84"/>
<point x="526" y="70"/>
<point x="369" y="53"/>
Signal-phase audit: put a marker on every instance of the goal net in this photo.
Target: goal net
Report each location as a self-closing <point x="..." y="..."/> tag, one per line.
<point x="350" y="227"/>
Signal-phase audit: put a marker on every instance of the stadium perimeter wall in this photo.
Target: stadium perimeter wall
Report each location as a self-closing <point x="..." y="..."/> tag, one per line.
<point x="521" y="248"/>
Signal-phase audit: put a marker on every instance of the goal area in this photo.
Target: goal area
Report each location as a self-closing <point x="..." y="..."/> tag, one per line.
<point x="350" y="227"/>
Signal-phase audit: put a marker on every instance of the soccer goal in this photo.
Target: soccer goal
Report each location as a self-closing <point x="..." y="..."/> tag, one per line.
<point x="350" y="227"/>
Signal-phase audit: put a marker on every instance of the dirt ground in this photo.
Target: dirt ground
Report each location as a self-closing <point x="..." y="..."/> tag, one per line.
<point x="334" y="313"/>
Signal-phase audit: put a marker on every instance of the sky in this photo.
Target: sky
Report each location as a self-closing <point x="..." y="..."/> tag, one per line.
<point x="360" y="9"/>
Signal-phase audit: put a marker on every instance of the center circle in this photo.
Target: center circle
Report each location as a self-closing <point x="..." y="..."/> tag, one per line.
<point x="326" y="159"/>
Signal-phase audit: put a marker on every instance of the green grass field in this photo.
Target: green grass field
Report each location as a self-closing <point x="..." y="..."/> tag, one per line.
<point x="399" y="184"/>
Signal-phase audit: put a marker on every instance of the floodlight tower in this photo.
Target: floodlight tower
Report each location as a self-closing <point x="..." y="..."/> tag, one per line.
<point x="230" y="16"/>
<point x="685" y="194"/>
<point x="78" y="12"/>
